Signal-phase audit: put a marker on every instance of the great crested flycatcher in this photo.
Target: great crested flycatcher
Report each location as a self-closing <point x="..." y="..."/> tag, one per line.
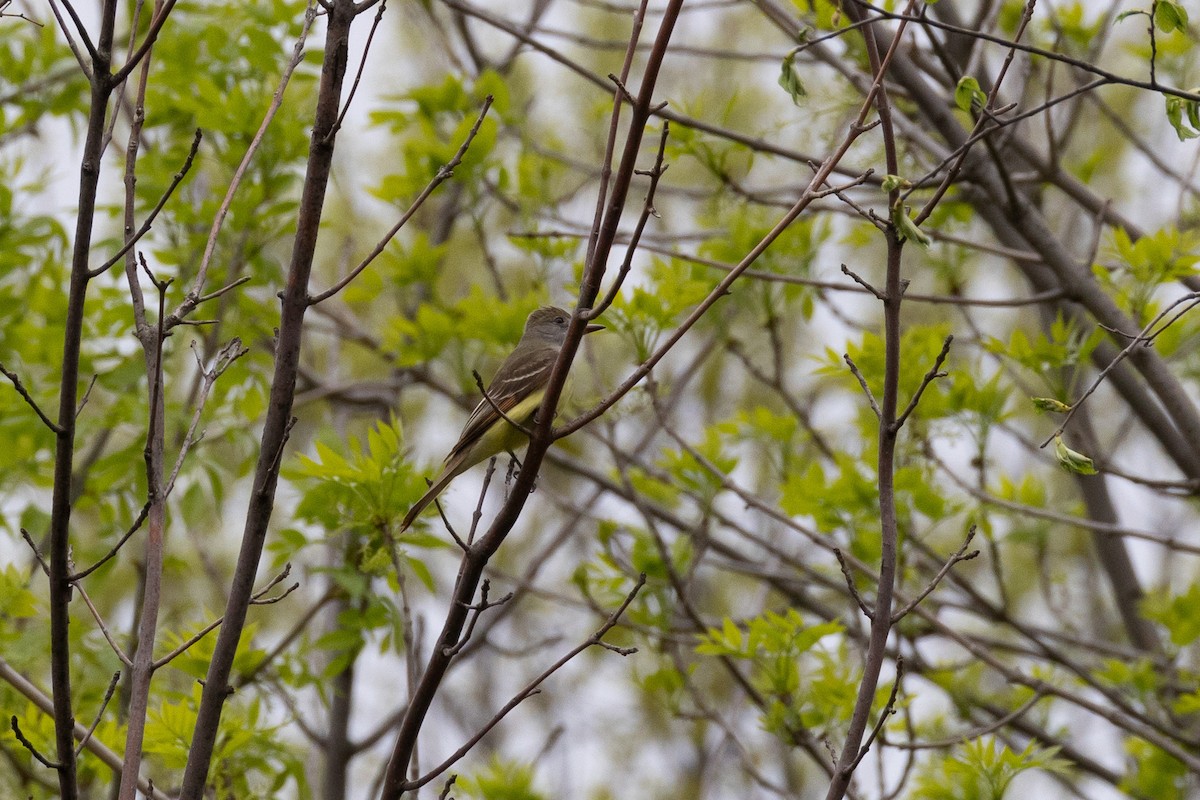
<point x="516" y="390"/>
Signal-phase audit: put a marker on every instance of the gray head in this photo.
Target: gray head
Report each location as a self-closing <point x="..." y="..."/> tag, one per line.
<point x="549" y="324"/>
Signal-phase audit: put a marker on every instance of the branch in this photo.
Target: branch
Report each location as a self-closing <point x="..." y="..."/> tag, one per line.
<point x="929" y="378"/>
<point x="362" y="65"/>
<point x="112" y="687"/>
<point x="862" y="381"/>
<point x="97" y="748"/>
<point x="21" y="390"/>
<point x="476" y="610"/>
<point x="137" y="523"/>
<point x="162" y="201"/>
<point x="16" y="729"/>
<point x="210" y="627"/>
<point x="443" y="174"/>
<point x="228" y="354"/>
<point x="83" y="35"/>
<point x="960" y="555"/>
<point x="888" y="710"/>
<point x="487" y="397"/>
<point x="841" y="557"/>
<point x="193" y="297"/>
<point x="532" y="688"/>
<point x="1143" y="338"/>
<point x="156" y="25"/>
<point x="648" y="211"/>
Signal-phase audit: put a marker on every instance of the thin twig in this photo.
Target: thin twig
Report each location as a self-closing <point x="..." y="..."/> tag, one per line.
<point x="476" y="610"/>
<point x="362" y="64"/>
<point x="112" y="687"/>
<point x="36" y="553"/>
<point x="862" y="381"/>
<point x="16" y="729"/>
<point x="103" y="627"/>
<point x="87" y="393"/>
<point x="841" y="557"/>
<point x="888" y="710"/>
<point x="648" y="211"/>
<point x="960" y="555"/>
<point x="85" y="64"/>
<point x="162" y="201"/>
<point x="487" y="397"/>
<point x="193" y="297"/>
<point x="210" y="627"/>
<point x="137" y="524"/>
<point x="21" y="390"/>
<point x="443" y="174"/>
<point x="861" y="282"/>
<point x="929" y="378"/>
<point x="1144" y="338"/>
<point x="595" y="640"/>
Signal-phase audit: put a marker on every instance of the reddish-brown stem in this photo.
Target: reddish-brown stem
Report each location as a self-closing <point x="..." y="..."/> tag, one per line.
<point x="278" y="422"/>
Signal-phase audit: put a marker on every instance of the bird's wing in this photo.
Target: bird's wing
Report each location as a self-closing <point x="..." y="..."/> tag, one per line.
<point x="511" y="384"/>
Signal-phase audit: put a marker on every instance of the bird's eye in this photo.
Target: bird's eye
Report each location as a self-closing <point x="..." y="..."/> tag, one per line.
<point x="560" y="320"/>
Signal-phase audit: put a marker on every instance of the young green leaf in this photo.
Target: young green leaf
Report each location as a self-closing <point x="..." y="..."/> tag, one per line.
<point x="790" y="81"/>
<point x="1050" y="404"/>
<point x="907" y="229"/>
<point x="967" y="93"/>
<point x="1169" y="17"/>
<point x="1071" y="460"/>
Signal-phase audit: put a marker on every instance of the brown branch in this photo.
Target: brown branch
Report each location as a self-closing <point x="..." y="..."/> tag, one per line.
<point x="862" y="605"/>
<point x="444" y="173"/>
<point x="480" y="552"/>
<point x="933" y="374"/>
<point x="888" y="710"/>
<point x="112" y="687"/>
<point x="1144" y="338"/>
<point x="21" y="390"/>
<point x="16" y="729"/>
<point x="162" y="201"/>
<point x="42" y="701"/>
<point x="255" y="599"/>
<point x="279" y="417"/>
<point x="893" y="293"/>
<point x="960" y="555"/>
<point x="193" y="297"/>
<point x="137" y="524"/>
<point x="532" y="688"/>
<point x="648" y="211"/>
<point x="362" y="65"/>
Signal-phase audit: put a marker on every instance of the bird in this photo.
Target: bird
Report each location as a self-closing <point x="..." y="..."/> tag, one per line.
<point x="517" y="390"/>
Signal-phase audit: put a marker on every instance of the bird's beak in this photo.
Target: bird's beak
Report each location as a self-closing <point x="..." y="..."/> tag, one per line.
<point x="592" y="328"/>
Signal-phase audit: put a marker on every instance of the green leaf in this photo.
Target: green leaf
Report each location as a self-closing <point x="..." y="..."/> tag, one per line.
<point x="790" y="81"/>
<point x="1071" y="460"/>
<point x="906" y="229"/>
<point x="967" y="94"/>
<point x="1169" y="17"/>
<point x="1176" y="106"/>
<point x="1050" y="404"/>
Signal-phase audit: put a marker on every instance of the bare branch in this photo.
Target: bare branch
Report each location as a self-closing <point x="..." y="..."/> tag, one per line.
<point x="137" y="524"/>
<point x="443" y="174"/>
<point x="532" y="688"/>
<point x="929" y="378"/>
<point x="862" y="381"/>
<point x="21" y="390"/>
<point x="16" y="729"/>
<point x="841" y="557"/>
<point x="960" y="555"/>
<point x="112" y="687"/>
<point x="162" y="201"/>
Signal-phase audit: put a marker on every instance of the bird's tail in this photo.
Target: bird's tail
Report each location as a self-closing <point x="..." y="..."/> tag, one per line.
<point x="448" y="473"/>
